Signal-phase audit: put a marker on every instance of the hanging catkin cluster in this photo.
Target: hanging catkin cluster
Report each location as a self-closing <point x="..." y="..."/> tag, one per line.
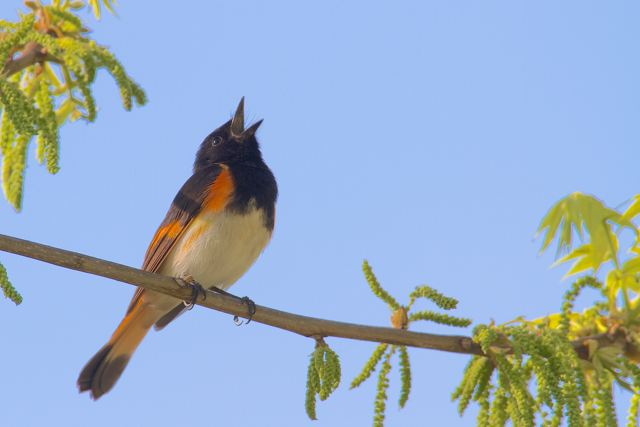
<point x="323" y="376"/>
<point x="62" y="76"/>
<point x="570" y="390"/>
<point x="400" y="319"/>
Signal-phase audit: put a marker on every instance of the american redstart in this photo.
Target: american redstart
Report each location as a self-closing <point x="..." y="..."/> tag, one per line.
<point x="217" y="226"/>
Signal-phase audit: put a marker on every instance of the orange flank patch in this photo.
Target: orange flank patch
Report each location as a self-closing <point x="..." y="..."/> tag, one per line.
<point x="193" y="237"/>
<point x="218" y="192"/>
<point x="171" y="231"/>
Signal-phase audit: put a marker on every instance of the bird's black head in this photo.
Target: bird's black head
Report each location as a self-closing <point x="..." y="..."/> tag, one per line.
<point x="230" y="143"/>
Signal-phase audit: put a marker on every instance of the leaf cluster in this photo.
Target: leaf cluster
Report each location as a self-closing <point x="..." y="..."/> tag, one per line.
<point x="323" y="376"/>
<point x="572" y="358"/>
<point x="401" y="319"/>
<point x="48" y="66"/>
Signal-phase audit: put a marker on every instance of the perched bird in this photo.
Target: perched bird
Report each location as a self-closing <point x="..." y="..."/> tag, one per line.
<point x="217" y="226"/>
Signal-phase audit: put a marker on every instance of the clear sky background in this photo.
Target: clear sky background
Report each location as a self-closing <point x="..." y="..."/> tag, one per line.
<point x="427" y="137"/>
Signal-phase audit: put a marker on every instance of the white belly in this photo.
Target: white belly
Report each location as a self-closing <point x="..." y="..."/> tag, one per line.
<point x="218" y="248"/>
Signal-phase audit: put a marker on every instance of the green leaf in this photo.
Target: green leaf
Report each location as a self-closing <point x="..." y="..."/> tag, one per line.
<point x="634" y="209"/>
<point x="108" y="4"/>
<point x="583" y="212"/>
<point x="95" y="5"/>
<point x="63" y="111"/>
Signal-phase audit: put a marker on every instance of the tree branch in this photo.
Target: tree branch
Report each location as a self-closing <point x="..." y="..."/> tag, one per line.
<point x="306" y="326"/>
<point x="302" y="325"/>
<point x="32" y="53"/>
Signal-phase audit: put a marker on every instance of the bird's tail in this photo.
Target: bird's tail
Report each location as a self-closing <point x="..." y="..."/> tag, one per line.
<point x="103" y="370"/>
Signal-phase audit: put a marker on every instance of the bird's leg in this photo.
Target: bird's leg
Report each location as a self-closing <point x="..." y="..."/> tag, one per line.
<point x="197" y="290"/>
<point x="250" y="305"/>
<point x="244" y="301"/>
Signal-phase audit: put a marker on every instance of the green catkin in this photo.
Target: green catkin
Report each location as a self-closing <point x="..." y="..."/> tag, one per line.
<point x="90" y="103"/>
<point x="470" y="385"/>
<point x="591" y="418"/>
<point x="440" y="300"/>
<point x="7" y="25"/>
<point x="62" y="15"/>
<point x="370" y="366"/>
<point x="14" y="38"/>
<point x="405" y="376"/>
<point x="318" y="357"/>
<point x="632" y="418"/>
<point x="128" y="87"/>
<point x="484" y="378"/>
<point x="323" y="377"/>
<point x="312" y="388"/>
<point x="465" y="378"/>
<point x="19" y="109"/>
<point x="329" y="371"/>
<point x="634" y="371"/>
<point x="7" y="136"/>
<point x="383" y="385"/>
<point x="333" y="370"/>
<point x="7" y="288"/>
<point x="570" y="297"/>
<point x="377" y="289"/>
<point x="16" y="163"/>
<point x="485" y="336"/>
<point x="523" y="406"/>
<point x="606" y="409"/>
<point x="498" y="414"/>
<point x="48" y="127"/>
<point x="443" y="319"/>
<point x="52" y="44"/>
<point x="483" y="401"/>
<point x="572" y="377"/>
<point x="532" y="347"/>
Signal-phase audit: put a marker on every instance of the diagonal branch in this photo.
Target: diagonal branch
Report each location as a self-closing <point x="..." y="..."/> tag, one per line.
<point x="303" y="325"/>
<point x="32" y="53"/>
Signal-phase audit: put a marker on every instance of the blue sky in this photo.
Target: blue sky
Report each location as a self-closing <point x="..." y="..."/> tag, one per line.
<point x="427" y="137"/>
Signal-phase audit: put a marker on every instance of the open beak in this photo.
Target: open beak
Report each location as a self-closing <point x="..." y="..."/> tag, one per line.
<point x="237" y="124"/>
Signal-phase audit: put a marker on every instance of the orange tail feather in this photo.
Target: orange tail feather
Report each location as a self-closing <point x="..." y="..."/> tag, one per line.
<point x="103" y="370"/>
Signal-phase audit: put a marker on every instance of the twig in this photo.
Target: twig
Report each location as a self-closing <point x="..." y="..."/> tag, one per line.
<point x="303" y="325"/>
<point x="32" y="53"/>
<point x="306" y="326"/>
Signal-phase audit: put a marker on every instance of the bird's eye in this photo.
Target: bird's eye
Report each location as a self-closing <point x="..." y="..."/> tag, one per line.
<point x="216" y="141"/>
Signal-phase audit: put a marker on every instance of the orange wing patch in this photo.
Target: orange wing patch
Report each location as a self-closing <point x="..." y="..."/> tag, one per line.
<point x="170" y="232"/>
<point x="218" y="192"/>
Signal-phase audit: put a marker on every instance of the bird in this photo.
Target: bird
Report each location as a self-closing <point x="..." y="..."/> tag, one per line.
<point x="218" y="224"/>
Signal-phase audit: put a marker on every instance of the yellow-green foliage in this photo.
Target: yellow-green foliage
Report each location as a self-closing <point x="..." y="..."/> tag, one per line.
<point x="405" y="376"/>
<point x="383" y="384"/>
<point x="370" y="366"/>
<point x="385" y="351"/>
<point x="443" y="319"/>
<point x="323" y="377"/>
<point x="7" y="288"/>
<point x="28" y="95"/>
<point x="570" y="389"/>
<point x="377" y="289"/>
<point x="438" y="299"/>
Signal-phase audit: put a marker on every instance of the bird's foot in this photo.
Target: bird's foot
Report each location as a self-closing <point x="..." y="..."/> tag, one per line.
<point x="244" y="301"/>
<point x="250" y="305"/>
<point x="197" y="291"/>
